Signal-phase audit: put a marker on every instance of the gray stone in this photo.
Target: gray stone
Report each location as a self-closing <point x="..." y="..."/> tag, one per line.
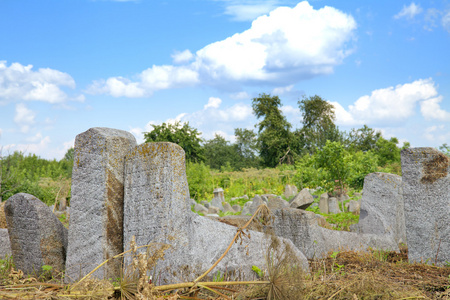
<point x="155" y="211"/>
<point x="193" y="202"/>
<point x="217" y="202"/>
<point x="213" y="210"/>
<point x="96" y="221"/>
<point x="246" y="208"/>
<point x="323" y="203"/>
<point x="227" y="207"/>
<point x="200" y="208"/>
<point x="302" y="228"/>
<point x="354" y="207"/>
<point x="36" y="235"/>
<point x="277" y="203"/>
<point x="265" y="199"/>
<point x="5" y="245"/>
<point x="290" y="190"/>
<point x="236" y="208"/>
<point x="205" y="203"/>
<point x="333" y="207"/>
<point x="257" y="201"/>
<point x="302" y="200"/>
<point x="218" y="193"/>
<point x="382" y="209"/>
<point x="426" y="194"/>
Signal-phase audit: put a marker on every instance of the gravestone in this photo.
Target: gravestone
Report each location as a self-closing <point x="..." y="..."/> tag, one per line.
<point x="156" y="202"/>
<point x="5" y="246"/>
<point x="426" y="196"/>
<point x="290" y="190"/>
<point x="218" y="193"/>
<point x="246" y="209"/>
<point x="382" y="209"/>
<point x="302" y="200"/>
<point x="2" y="215"/>
<point x="217" y="202"/>
<point x="256" y="202"/>
<point x="277" y="203"/>
<point x="36" y="235"/>
<point x="96" y="215"/>
<point x="333" y="206"/>
<point x="323" y="203"/>
<point x="227" y="207"/>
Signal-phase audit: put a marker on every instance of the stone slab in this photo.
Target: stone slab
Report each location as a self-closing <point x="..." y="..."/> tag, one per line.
<point x="302" y="200"/>
<point x="426" y="195"/>
<point x="36" y="235"/>
<point x="2" y="215"/>
<point x="96" y="218"/>
<point x="5" y="245"/>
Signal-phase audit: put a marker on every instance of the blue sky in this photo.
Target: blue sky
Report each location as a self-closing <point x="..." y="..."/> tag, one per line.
<point x="67" y="66"/>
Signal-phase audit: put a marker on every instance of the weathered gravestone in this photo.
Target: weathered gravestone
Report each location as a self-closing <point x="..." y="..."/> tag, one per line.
<point x="333" y="206"/>
<point x="5" y="246"/>
<point x="426" y="195"/>
<point x="302" y="200"/>
<point x="37" y="236"/>
<point x="382" y="210"/>
<point x="290" y="190"/>
<point x="218" y="193"/>
<point x="156" y="211"/>
<point x="96" y="216"/>
<point x="323" y="203"/>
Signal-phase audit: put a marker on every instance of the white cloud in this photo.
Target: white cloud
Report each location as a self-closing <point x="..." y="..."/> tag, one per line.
<point x="24" y="117"/>
<point x="138" y="134"/>
<point x="213" y="102"/>
<point x="240" y="95"/>
<point x="288" y="45"/>
<point x="249" y="12"/>
<point x="431" y="109"/>
<point x="446" y="21"/>
<point x="19" y="82"/>
<point x="409" y="12"/>
<point x="39" y="147"/>
<point x="282" y="90"/>
<point x="182" y="57"/>
<point x="393" y="104"/>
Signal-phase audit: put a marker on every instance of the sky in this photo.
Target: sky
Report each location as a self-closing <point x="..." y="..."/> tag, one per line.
<point x="69" y="65"/>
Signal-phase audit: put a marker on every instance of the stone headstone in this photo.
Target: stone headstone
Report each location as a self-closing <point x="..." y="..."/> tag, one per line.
<point x="277" y="203"/>
<point x="302" y="200"/>
<point x="213" y="210"/>
<point x="218" y="193"/>
<point x="96" y="221"/>
<point x="236" y="207"/>
<point x="354" y="207"/>
<point x="200" y="208"/>
<point x="205" y="203"/>
<point x="257" y="201"/>
<point x="217" y="202"/>
<point x="382" y="209"/>
<point x="426" y="195"/>
<point x="5" y="245"/>
<point x="2" y="215"/>
<point x="227" y="207"/>
<point x="323" y="203"/>
<point x="156" y="194"/>
<point x="333" y="206"/>
<point x="36" y="235"/>
<point x="290" y="190"/>
<point x="246" y="208"/>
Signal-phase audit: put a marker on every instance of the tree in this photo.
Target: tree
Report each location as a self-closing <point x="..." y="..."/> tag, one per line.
<point x="363" y="139"/>
<point x="246" y="147"/>
<point x="318" y="123"/>
<point x="219" y="153"/>
<point x="387" y="151"/>
<point x="274" y="131"/>
<point x="185" y="136"/>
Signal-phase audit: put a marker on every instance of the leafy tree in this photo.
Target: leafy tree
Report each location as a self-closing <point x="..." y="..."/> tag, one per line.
<point x="318" y="123"/>
<point x="274" y="131"/>
<point x="219" y="153"/>
<point x="445" y="149"/>
<point x="334" y="159"/>
<point x="387" y="151"/>
<point x="247" y="148"/>
<point x="69" y="154"/>
<point x="363" y="139"/>
<point x="185" y="136"/>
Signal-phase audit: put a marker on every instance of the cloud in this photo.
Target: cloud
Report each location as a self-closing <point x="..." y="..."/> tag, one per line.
<point x="282" y="48"/>
<point x="249" y="12"/>
<point x="431" y="110"/>
<point x="446" y="21"/>
<point x="409" y="12"/>
<point x="19" y="82"/>
<point x="24" y="117"/>
<point x="393" y="104"/>
<point x="182" y="57"/>
<point x="240" y="95"/>
<point x="213" y="102"/>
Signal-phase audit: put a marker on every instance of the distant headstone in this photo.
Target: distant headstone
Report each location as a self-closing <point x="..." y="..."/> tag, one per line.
<point x="36" y="235"/>
<point x="227" y="207"/>
<point x="323" y="203"/>
<point x="246" y="209"/>
<point x="302" y="200"/>
<point x="5" y="246"/>
<point x="382" y="209"/>
<point x="96" y="219"/>
<point x="277" y="203"/>
<point x="217" y="202"/>
<point x="218" y="193"/>
<point x="2" y="215"/>
<point x="213" y="210"/>
<point x="256" y="202"/>
<point x="200" y="208"/>
<point x="290" y="190"/>
<point x="333" y="206"/>
<point x="354" y="207"/>
<point x="426" y="195"/>
<point x="236" y="207"/>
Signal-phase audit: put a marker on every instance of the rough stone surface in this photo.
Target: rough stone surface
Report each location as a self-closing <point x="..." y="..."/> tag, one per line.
<point x="333" y="206"/>
<point x="290" y="190"/>
<point x="382" y="209"/>
<point x="213" y="210"/>
<point x="36" y="235"/>
<point x="5" y="246"/>
<point x="302" y="200"/>
<point x="246" y="208"/>
<point x="302" y="228"/>
<point x="218" y="193"/>
<point x="217" y="202"/>
<point x="426" y="195"/>
<point x="227" y="207"/>
<point x="200" y="208"/>
<point x="156" y="194"/>
<point x="96" y="222"/>
<point x="277" y="203"/>
<point x="2" y="215"/>
<point x="354" y="207"/>
<point x="323" y="203"/>
<point x="236" y="207"/>
<point x="257" y="201"/>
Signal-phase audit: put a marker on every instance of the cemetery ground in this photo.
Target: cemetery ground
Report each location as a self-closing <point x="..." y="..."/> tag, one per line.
<point x="340" y="275"/>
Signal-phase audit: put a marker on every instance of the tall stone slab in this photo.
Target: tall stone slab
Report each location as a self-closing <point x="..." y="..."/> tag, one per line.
<point x="96" y="214"/>
<point x="36" y="235"/>
<point x="382" y="209"/>
<point x="157" y="211"/>
<point x="5" y="245"/>
<point x="426" y="195"/>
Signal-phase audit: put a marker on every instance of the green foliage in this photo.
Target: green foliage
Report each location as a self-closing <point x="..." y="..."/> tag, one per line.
<point x="387" y="151"/>
<point x="334" y="159"/>
<point x="219" y="153"/>
<point x="258" y="271"/>
<point x="274" y="132"/>
<point x="445" y="149"/>
<point x="363" y="139"/>
<point x="183" y="135"/>
<point x="342" y="220"/>
<point x="247" y="148"/>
